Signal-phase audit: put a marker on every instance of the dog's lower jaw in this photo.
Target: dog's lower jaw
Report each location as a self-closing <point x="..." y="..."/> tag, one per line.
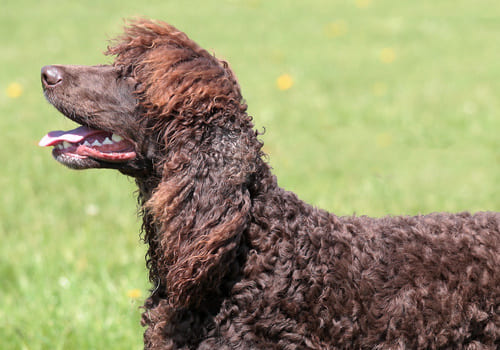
<point x="76" y="162"/>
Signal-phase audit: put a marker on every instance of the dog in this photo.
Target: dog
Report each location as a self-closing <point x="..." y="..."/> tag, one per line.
<point x="235" y="261"/>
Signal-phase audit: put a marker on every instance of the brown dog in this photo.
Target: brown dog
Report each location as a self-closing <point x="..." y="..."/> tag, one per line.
<point x="236" y="262"/>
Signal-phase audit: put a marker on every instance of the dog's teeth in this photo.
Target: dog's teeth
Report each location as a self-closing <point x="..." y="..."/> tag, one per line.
<point x="107" y="141"/>
<point x="96" y="143"/>
<point x="59" y="146"/>
<point x="116" y="138"/>
<point x="86" y="143"/>
<point x="66" y="144"/>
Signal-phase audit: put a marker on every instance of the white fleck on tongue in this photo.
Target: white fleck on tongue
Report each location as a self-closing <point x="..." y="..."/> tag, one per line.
<point x="72" y="136"/>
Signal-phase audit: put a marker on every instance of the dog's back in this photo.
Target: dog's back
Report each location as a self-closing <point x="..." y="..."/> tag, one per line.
<point x="323" y="281"/>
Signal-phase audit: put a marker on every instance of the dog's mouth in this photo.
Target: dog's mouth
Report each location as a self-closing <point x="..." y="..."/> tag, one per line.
<point x="75" y="146"/>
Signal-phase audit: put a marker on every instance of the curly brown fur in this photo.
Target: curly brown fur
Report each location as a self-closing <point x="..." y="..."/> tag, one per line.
<point x="235" y="261"/>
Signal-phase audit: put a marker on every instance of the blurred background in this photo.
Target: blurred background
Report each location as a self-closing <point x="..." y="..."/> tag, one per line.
<point x="371" y="107"/>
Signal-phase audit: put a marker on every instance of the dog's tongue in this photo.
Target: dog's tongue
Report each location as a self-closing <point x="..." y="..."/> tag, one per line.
<point x="72" y="136"/>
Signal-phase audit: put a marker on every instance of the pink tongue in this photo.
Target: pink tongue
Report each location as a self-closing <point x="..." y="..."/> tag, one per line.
<point x="71" y="136"/>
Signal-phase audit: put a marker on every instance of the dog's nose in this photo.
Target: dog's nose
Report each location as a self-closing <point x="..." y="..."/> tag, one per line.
<point x="51" y="75"/>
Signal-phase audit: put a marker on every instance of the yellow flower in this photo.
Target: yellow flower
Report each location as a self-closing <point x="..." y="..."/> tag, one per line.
<point x="384" y="140"/>
<point x="336" y="28"/>
<point x="387" y="55"/>
<point x="134" y="293"/>
<point x="14" y="90"/>
<point x="284" y="82"/>
<point x="363" y="3"/>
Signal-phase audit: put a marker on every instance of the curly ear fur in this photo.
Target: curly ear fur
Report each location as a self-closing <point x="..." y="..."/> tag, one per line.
<point x="200" y="210"/>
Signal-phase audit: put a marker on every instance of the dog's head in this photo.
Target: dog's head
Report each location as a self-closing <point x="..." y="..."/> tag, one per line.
<point x="161" y="86"/>
<point x="171" y="114"/>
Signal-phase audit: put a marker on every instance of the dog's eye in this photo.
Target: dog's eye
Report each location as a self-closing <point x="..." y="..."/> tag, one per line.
<point x="125" y="72"/>
<point x="125" y="77"/>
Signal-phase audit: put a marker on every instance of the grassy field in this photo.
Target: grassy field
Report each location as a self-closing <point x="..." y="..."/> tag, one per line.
<point x="370" y="106"/>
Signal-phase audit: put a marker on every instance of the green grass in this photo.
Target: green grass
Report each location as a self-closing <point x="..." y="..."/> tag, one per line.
<point x="353" y="134"/>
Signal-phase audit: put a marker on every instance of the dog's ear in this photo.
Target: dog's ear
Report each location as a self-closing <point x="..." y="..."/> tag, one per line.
<point x="200" y="210"/>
